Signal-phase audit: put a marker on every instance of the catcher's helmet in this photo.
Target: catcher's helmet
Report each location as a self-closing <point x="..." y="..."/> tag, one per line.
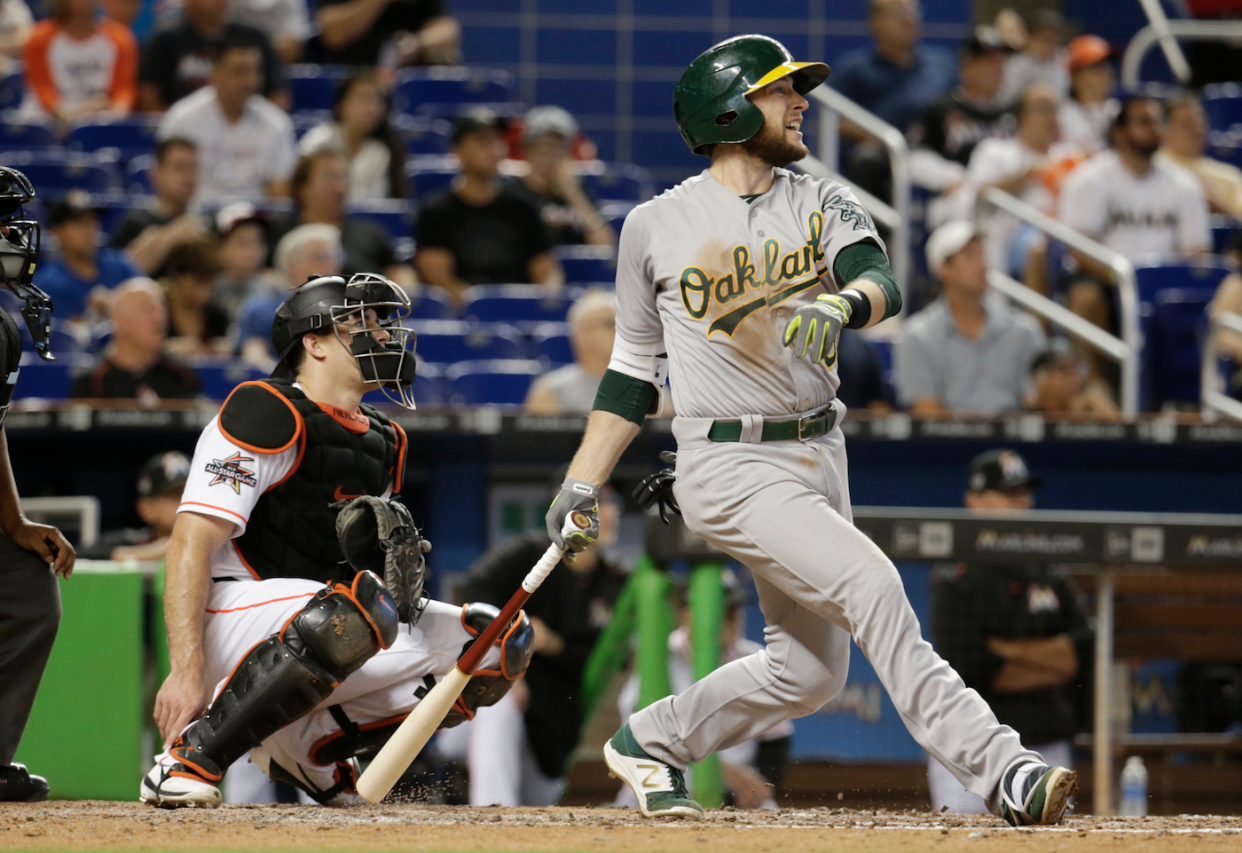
<point x="710" y="102"/>
<point x="330" y="302"/>
<point x="19" y="252"/>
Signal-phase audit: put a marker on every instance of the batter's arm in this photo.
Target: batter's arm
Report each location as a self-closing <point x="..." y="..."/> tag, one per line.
<point x="187" y="580"/>
<point x="606" y="437"/>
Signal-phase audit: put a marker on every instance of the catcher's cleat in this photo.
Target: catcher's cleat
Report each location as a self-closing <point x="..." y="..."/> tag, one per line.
<point x="341" y="794"/>
<point x="1035" y="794"/>
<point x="17" y="785"/>
<point x="174" y="784"/>
<point x="661" y="789"/>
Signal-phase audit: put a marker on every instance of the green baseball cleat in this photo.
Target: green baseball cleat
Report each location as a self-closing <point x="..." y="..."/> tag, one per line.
<point x="661" y="789"/>
<point x="1033" y="794"/>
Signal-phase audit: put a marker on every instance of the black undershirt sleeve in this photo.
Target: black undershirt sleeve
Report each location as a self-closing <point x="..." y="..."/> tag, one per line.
<point x="631" y="398"/>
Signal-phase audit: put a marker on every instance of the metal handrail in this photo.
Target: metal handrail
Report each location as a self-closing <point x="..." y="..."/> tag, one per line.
<point x="1211" y="399"/>
<point x="1086" y="331"/>
<point x="1172" y="50"/>
<point x="1124" y="350"/>
<point x="897" y="215"/>
<point x="1149" y="35"/>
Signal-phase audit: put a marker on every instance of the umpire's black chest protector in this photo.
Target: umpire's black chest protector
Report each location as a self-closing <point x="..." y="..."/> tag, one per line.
<point x="292" y="529"/>
<point x="10" y="358"/>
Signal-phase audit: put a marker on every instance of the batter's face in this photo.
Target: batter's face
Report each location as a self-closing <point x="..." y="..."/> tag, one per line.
<point x="779" y="143"/>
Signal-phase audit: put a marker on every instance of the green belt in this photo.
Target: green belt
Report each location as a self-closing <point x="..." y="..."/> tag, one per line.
<point x="798" y="429"/>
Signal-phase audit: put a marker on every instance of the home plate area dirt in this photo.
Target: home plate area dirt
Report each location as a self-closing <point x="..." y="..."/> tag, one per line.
<point x="132" y="826"/>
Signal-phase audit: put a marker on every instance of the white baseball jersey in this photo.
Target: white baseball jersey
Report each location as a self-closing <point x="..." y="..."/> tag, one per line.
<point x="712" y="281"/>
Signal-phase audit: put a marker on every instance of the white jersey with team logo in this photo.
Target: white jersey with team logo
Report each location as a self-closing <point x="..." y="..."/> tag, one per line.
<point x="226" y="481"/>
<point x="712" y="281"/>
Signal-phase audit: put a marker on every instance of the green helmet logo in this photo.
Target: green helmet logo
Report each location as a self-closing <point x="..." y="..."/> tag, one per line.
<point x="710" y="102"/>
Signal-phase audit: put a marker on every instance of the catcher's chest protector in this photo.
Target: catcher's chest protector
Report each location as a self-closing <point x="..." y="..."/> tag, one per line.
<point x="292" y="529"/>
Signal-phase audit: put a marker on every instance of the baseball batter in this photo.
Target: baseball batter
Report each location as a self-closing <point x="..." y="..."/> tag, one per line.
<point x="735" y="285"/>
<point x="274" y="594"/>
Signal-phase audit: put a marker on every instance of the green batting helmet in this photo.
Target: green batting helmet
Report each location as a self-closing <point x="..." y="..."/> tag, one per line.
<point x="710" y="102"/>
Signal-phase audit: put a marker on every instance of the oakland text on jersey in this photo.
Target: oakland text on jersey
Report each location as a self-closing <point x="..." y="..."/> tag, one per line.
<point x="699" y="288"/>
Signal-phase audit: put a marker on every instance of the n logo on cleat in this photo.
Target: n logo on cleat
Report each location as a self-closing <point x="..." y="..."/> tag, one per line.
<point x="654" y="768"/>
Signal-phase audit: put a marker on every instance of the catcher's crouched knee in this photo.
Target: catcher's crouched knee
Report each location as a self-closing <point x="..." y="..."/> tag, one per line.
<point x="344" y="626"/>
<point x="488" y="686"/>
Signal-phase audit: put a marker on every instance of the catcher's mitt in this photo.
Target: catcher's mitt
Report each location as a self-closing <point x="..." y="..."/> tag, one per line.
<point x="379" y="535"/>
<point x="657" y="488"/>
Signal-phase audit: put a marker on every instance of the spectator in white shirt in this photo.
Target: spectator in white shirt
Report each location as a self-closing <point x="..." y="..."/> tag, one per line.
<point x="1024" y="165"/>
<point x="286" y="23"/>
<point x="1041" y="60"/>
<point x="245" y="142"/>
<point x="1088" y="113"/>
<point x="1140" y="207"/>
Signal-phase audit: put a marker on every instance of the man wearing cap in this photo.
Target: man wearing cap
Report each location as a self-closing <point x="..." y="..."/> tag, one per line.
<point x="79" y="280"/>
<point x="475" y="232"/>
<point x="149" y="233"/>
<point x="1060" y="385"/>
<point x="968" y="351"/>
<point x="159" y="486"/>
<point x="552" y="184"/>
<point x="1014" y="632"/>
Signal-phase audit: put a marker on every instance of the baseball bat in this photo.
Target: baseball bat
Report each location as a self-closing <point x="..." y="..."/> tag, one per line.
<point x="395" y="757"/>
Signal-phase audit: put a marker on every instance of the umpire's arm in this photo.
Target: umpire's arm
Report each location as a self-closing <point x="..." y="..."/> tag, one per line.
<point x="187" y="580"/>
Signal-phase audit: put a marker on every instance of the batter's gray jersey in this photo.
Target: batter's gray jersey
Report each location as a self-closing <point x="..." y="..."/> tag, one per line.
<point x="712" y="281"/>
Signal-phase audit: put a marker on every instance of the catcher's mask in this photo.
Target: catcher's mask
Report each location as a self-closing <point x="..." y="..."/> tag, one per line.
<point x="360" y="312"/>
<point x="19" y="252"/>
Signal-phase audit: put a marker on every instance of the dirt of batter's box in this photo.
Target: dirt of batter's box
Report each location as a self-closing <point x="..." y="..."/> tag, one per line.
<point x="118" y="826"/>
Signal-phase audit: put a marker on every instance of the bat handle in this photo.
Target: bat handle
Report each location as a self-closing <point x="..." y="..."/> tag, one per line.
<point x="542" y="569"/>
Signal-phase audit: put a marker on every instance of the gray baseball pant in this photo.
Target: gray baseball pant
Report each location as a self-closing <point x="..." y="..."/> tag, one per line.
<point x="29" y="617"/>
<point x="783" y="509"/>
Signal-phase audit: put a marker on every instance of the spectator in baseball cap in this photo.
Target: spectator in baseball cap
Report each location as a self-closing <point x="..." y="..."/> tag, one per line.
<point x="160" y="483"/>
<point x="551" y="182"/>
<point x="79" y="280"/>
<point x="243" y="232"/>
<point x="1061" y="384"/>
<point x="1086" y="116"/>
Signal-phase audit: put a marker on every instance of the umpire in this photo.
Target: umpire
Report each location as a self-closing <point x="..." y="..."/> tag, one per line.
<point x="1014" y="632"/>
<point x="31" y="555"/>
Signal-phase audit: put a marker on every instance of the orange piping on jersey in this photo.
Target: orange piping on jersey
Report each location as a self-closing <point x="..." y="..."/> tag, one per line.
<point x="296" y="464"/>
<point x="297" y="432"/>
<point x="243" y="518"/>
<point x="123" y="91"/>
<point x="261" y="603"/>
<point x="232" y="672"/>
<point x="402" y="446"/>
<point x="355" y="422"/>
<point x="249" y="568"/>
<point x="38" y="72"/>
<point x="351" y="592"/>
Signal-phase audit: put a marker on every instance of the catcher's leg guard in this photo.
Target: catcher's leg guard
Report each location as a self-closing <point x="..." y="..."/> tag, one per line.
<point x="278" y="681"/>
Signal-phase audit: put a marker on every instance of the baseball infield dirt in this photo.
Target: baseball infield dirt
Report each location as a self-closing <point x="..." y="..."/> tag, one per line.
<point x="130" y="826"/>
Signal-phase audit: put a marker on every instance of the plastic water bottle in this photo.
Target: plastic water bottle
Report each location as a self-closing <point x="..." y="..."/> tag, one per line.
<point x="1134" y="788"/>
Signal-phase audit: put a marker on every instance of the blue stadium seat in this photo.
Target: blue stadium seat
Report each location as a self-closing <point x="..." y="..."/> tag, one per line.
<point x="138" y="175"/>
<point x="220" y="375"/>
<point x="1153" y="279"/>
<point x="417" y="87"/>
<point x="452" y="110"/>
<point x="395" y="214"/>
<point x="516" y="303"/>
<point x="1175" y="343"/>
<point x="57" y="172"/>
<point x="588" y="264"/>
<point x="431" y="174"/>
<point x="1226" y="145"/>
<point x="430" y="386"/>
<point x="1223" y="104"/>
<point x="49" y="380"/>
<point x="61" y="342"/>
<point x="431" y="304"/>
<point x="448" y="341"/>
<point x="12" y="89"/>
<point x="131" y="136"/>
<point x="424" y="135"/>
<point x="18" y="135"/>
<point x="1224" y="233"/>
<point x="551" y="342"/>
<point x="313" y="87"/>
<point x="304" y="121"/>
<point x="618" y="181"/>
<point x="614" y="212"/>
<point x="492" y="383"/>
<point x="114" y="206"/>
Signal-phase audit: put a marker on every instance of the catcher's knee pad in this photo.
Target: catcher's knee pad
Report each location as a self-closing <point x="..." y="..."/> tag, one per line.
<point x="488" y="686"/>
<point x="288" y="674"/>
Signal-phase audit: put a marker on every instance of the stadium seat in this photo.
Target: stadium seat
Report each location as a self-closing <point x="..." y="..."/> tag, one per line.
<point x="617" y="181"/>
<point x="431" y="174"/>
<point x="220" y="376"/>
<point x="451" y="111"/>
<point x="314" y="87"/>
<point x="491" y="383"/>
<point x="614" y="212"/>
<point x="114" y="206"/>
<point x="12" y="89"/>
<point x="57" y="172"/>
<point x="516" y="303"/>
<point x="588" y="264"/>
<point x="429" y="386"/>
<point x="431" y="304"/>
<point x="18" y="135"/>
<point x="1223" y="104"/>
<point x="304" y="121"/>
<point x="1224" y="233"/>
<point x="551" y="342"/>
<point x="49" y="380"/>
<point x="138" y="175"/>
<point x="1155" y="278"/>
<point x="395" y="214"/>
<point x="59" y="341"/>
<point x="423" y="135"/>
<point x="418" y="87"/>
<point x="449" y="341"/>
<point x="1174" y="344"/>
<point x="130" y="137"/>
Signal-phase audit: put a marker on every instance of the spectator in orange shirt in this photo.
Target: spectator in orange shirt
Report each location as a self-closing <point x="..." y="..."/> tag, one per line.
<point x="77" y="65"/>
